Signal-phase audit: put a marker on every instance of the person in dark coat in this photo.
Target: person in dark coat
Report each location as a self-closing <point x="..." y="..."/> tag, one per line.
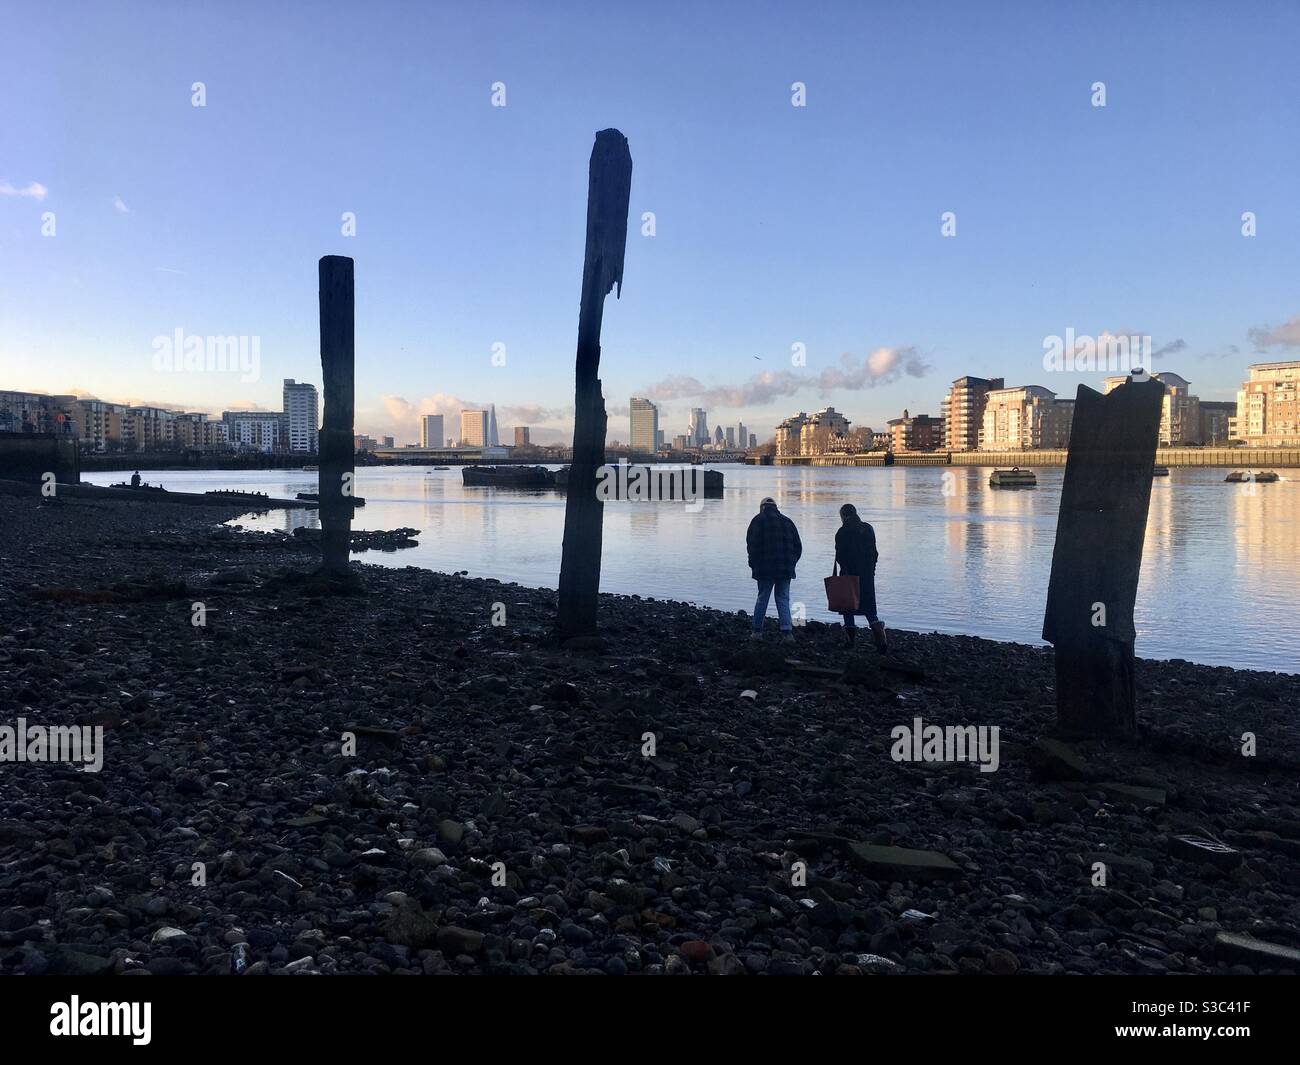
<point x="773" y="544"/>
<point x="855" y="551"/>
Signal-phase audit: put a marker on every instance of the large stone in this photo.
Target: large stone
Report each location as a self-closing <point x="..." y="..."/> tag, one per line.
<point x="903" y="863"/>
<point x="1051" y="759"/>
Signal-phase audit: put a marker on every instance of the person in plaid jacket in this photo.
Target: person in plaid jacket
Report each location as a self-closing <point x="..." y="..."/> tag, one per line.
<point x="773" y="544"/>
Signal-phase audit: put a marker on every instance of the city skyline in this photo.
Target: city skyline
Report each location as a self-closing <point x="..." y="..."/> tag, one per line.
<point x="750" y="298"/>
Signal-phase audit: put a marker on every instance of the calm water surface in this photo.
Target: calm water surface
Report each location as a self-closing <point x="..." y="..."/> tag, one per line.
<point x="1220" y="572"/>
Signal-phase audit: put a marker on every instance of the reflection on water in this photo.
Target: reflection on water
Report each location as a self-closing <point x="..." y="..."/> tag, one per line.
<point x="1220" y="572"/>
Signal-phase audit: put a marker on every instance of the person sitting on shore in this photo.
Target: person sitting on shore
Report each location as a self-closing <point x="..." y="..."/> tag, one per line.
<point x="773" y="545"/>
<point x="135" y="479"/>
<point x="855" y="551"/>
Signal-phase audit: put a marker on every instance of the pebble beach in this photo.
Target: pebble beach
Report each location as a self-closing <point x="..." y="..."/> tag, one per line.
<point x="417" y="778"/>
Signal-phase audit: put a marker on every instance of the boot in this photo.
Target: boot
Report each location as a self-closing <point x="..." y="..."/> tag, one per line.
<point x="878" y="634"/>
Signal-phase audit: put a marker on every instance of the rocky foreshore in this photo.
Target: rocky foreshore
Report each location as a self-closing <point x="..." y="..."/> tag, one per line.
<point x="502" y="811"/>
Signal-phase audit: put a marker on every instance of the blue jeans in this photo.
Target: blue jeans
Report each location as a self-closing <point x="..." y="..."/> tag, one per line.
<point x="782" y="603"/>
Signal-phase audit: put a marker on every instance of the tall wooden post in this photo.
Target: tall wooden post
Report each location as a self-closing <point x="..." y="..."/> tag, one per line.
<point x="608" y="192"/>
<point x="1098" y="556"/>
<point x="336" y="440"/>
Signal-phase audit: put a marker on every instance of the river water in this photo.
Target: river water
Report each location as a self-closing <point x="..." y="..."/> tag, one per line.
<point x="1220" y="571"/>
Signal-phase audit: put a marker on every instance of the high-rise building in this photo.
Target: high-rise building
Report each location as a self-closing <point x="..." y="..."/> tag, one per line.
<point x="699" y="427"/>
<point x="963" y="411"/>
<point x="915" y="432"/>
<point x="473" y="428"/>
<point x="753" y="440"/>
<point x="731" y="437"/>
<point x="302" y="412"/>
<point x="644" y="417"/>
<point x="1268" y="406"/>
<point x="718" y="438"/>
<point x="431" y="434"/>
<point x="1029" y="416"/>
<point x="742" y="438"/>
<point x="521" y="436"/>
<point x="492" y="439"/>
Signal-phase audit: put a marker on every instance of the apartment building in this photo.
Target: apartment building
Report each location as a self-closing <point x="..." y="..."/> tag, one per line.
<point x="301" y="405"/>
<point x="915" y="432"/>
<point x="1268" y="406"/>
<point x="1025" y="417"/>
<point x="1180" y="411"/>
<point x="473" y="428"/>
<point x="644" y="418"/>
<point x="963" y="411"/>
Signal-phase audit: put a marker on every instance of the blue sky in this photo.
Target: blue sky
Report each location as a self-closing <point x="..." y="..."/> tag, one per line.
<point x="775" y="224"/>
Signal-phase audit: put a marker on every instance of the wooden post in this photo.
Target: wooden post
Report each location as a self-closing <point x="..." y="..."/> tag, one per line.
<point x="1098" y="556"/>
<point x="336" y="441"/>
<point x="608" y="192"/>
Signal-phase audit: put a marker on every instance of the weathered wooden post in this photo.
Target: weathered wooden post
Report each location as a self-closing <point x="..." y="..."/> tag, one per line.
<point x="609" y="189"/>
<point x="336" y="441"/>
<point x="1098" y="556"/>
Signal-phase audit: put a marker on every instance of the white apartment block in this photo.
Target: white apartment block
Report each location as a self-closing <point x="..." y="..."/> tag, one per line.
<point x="302" y="413"/>
<point x="431" y="431"/>
<point x="1017" y="419"/>
<point x="473" y="428"/>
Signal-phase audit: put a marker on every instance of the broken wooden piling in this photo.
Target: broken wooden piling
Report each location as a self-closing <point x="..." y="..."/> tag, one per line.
<point x="1098" y="555"/>
<point x="609" y="187"/>
<point x="336" y="440"/>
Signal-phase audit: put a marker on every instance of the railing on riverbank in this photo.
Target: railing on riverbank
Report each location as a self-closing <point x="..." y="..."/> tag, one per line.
<point x="1232" y="457"/>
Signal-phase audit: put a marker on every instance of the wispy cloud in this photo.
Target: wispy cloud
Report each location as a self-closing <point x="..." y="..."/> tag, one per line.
<point x="882" y="366"/>
<point x="33" y="189"/>
<point x="119" y="206"/>
<point x="1284" y="336"/>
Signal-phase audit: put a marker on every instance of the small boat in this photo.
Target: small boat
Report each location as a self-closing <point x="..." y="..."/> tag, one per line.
<point x="1013" y="478"/>
<point x="311" y="469"/>
<point x="442" y="467"/>
<point x="1160" y="471"/>
<point x="1245" y="476"/>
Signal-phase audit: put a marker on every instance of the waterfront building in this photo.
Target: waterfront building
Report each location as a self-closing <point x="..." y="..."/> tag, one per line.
<point x="1026" y="417"/>
<point x="474" y="428"/>
<point x="302" y="413"/>
<point x="915" y="432"/>
<point x="36" y="412"/>
<point x="963" y="411"/>
<point x="1268" y="406"/>
<point x="431" y="434"/>
<point x="644" y="418"/>
<point x="824" y="432"/>
<point x="256" y="430"/>
<point x="789" y="435"/>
